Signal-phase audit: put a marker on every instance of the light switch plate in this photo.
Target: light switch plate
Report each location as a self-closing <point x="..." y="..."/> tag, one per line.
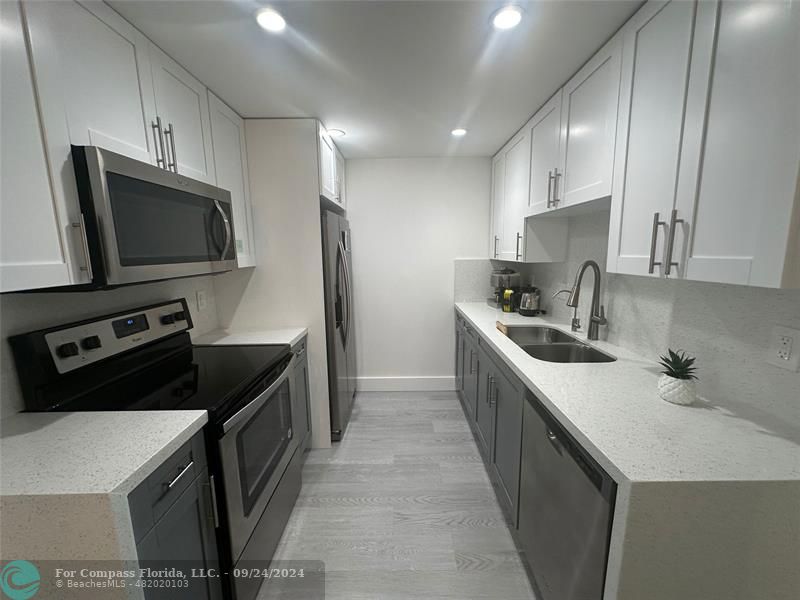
<point x="784" y="348"/>
<point x="202" y="301"/>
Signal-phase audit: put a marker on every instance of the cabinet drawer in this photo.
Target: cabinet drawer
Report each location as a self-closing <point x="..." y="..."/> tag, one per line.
<point x="156" y="494"/>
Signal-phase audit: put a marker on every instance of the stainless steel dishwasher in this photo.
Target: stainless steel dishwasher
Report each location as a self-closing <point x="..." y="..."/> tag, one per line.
<point x="565" y="510"/>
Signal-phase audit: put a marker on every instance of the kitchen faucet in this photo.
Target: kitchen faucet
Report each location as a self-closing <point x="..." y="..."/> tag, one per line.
<point x="598" y="313"/>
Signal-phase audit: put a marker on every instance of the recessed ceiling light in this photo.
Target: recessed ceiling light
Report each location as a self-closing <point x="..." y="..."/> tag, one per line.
<point x="507" y="17"/>
<point x="459" y="132"/>
<point x="271" y="20"/>
<point x="336" y="133"/>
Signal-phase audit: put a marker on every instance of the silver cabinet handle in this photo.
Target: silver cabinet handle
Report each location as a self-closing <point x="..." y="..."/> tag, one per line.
<point x="171" y="484"/>
<point x="493" y="393"/>
<point x="518" y="253"/>
<point x="653" y="242"/>
<point x="471" y="362"/>
<point x="158" y="136"/>
<point x="214" y="508"/>
<point x="550" y="178"/>
<point x="489" y="385"/>
<point x="556" y="199"/>
<point x="81" y="225"/>
<point x="496" y="240"/>
<point x="673" y="222"/>
<point x="301" y="352"/>
<point x="173" y="165"/>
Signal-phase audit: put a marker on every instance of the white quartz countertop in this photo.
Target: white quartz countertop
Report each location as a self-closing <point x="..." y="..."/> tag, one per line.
<point x="289" y="335"/>
<point x="89" y="452"/>
<point x="614" y="411"/>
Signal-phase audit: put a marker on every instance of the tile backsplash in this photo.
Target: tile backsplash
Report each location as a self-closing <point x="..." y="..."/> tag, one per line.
<point x="726" y="326"/>
<point x="30" y="311"/>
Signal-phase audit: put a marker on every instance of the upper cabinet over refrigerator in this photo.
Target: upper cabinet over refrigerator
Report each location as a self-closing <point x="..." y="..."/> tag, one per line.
<point x="331" y="168"/>
<point x="706" y="172"/>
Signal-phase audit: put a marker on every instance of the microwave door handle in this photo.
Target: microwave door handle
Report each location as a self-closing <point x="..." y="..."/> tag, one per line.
<point x="227" y="229"/>
<point x="248" y="411"/>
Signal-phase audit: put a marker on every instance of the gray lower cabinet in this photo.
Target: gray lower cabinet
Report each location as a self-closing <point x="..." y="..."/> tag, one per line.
<point x="459" y="354"/>
<point x="301" y="416"/>
<point x="174" y="523"/>
<point x="493" y="400"/>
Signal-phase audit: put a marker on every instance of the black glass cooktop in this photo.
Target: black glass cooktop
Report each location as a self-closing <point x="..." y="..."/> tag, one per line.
<point x="213" y="378"/>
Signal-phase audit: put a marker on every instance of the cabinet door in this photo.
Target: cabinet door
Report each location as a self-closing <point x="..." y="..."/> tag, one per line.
<point x="182" y="105"/>
<point x="28" y="207"/>
<point x="657" y="44"/>
<point x="498" y="199"/>
<point x="545" y="133"/>
<point x="459" y="357"/>
<point x="93" y="75"/>
<point x="738" y="215"/>
<point x="506" y="400"/>
<point x="470" y="375"/>
<point x="230" y="163"/>
<point x="484" y="410"/>
<point x="300" y="400"/>
<point x="184" y="535"/>
<point x="588" y="129"/>
<point x="327" y="166"/>
<point x="515" y="205"/>
<point x="340" y="179"/>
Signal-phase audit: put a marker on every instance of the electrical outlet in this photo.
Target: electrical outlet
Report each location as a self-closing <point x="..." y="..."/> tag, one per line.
<point x="202" y="301"/>
<point x="784" y="348"/>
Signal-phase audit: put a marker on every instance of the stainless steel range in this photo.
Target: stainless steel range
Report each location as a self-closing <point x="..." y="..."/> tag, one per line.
<point x="143" y="359"/>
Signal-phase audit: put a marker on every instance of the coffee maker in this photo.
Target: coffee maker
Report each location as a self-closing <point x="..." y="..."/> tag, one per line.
<point x="506" y="286"/>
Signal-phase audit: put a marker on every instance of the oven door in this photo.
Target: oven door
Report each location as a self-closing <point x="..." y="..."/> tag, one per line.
<point x="144" y="223"/>
<point x="255" y="447"/>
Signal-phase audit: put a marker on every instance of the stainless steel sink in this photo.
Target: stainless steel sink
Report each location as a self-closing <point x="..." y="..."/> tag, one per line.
<point x="538" y="334"/>
<point x="567" y="353"/>
<point x="554" y="345"/>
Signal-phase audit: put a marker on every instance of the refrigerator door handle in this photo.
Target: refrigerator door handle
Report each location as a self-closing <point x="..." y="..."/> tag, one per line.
<point x="349" y="298"/>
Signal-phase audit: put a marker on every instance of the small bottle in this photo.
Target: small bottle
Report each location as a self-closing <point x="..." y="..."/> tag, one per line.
<point x="508" y="301"/>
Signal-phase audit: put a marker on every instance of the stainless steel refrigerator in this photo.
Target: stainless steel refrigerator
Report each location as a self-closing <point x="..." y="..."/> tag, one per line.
<point x="339" y="320"/>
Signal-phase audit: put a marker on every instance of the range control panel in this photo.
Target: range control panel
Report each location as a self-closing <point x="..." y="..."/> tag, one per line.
<point x="76" y="346"/>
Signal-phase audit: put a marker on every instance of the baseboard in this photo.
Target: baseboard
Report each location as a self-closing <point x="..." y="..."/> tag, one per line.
<point x="446" y="383"/>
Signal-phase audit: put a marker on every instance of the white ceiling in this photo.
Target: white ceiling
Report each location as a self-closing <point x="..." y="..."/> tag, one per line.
<point x="397" y="76"/>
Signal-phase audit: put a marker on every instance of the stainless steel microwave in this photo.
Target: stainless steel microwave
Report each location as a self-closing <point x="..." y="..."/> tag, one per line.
<point x="142" y="223"/>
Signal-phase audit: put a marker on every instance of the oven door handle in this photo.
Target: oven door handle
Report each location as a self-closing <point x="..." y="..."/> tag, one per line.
<point x="253" y="407"/>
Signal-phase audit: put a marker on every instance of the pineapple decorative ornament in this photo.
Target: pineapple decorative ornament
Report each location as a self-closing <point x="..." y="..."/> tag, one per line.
<point x="677" y="382"/>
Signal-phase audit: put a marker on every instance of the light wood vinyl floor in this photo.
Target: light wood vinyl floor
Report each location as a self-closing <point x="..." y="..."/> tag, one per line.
<point x="402" y="508"/>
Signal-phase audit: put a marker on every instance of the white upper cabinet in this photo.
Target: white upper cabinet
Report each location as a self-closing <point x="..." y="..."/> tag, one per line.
<point x="341" y="192"/>
<point x="588" y="129"/>
<point x="738" y="214"/>
<point x="181" y="104"/>
<point x="327" y="165"/>
<point x="656" y="56"/>
<point x="706" y="183"/>
<point x="498" y="200"/>
<point x="93" y="75"/>
<point x="32" y="224"/>
<point x="515" y="200"/>
<point x="545" y="134"/>
<point x="230" y="162"/>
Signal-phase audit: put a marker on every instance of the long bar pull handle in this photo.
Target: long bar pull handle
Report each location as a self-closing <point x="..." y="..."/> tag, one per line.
<point x="556" y="199"/>
<point x="518" y="253"/>
<point x="550" y="178"/>
<point x="172" y="165"/>
<point x="171" y="484"/>
<point x="159" y="130"/>
<point x="81" y="225"/>
<point x="673" y="222"/>
<point x="493" y="393"/>
<point x="471" y="362"/>
<point x="214" y="507"/>
<point x="228" y="233"/>
<point x="653" y="242"/>
<point x="158" y="140"/>
<point x="496" y="240"/>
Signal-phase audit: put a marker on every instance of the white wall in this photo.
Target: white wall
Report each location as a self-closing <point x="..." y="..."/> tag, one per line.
<point x="410" y="218"/>
<point x="20" y="313"/>
<point x="285" y="289"/>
